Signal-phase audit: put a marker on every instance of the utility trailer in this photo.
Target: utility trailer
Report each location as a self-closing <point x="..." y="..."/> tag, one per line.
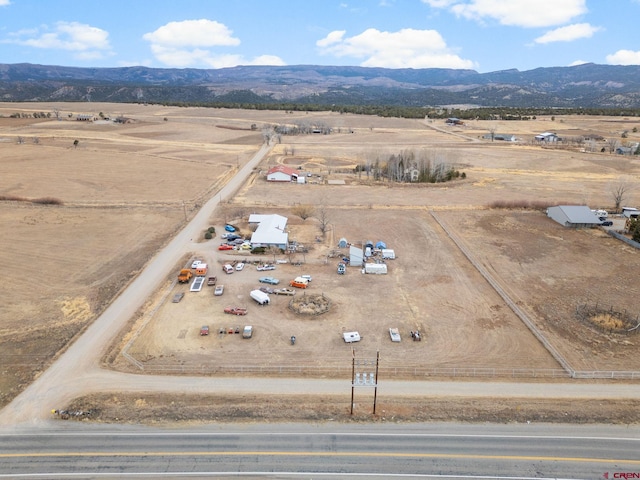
<point x="394" y="333"/>
<point x="197" y="284"/>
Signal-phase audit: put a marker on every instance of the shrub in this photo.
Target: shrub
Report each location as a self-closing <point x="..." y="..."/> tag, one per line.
<point x="47" y="201"/>
<point x="208" y="236"/>
<point x="211" y="230"/>
<point x="258" y="250"/>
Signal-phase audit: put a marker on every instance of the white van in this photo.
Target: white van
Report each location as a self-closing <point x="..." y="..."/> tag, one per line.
<point x="227" y="268"/>
<point x="260" y="297"/>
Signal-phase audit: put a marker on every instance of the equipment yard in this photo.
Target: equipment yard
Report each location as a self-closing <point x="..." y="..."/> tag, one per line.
<point x="461" y="266"/>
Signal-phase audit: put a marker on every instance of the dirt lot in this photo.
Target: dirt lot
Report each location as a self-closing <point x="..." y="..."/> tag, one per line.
<point x="127" y="188"/>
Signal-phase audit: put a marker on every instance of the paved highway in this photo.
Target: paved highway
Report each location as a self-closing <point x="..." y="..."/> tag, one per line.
<point x="315" y="451"/>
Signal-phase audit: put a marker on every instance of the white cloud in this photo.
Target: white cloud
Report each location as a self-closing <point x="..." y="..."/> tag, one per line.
<point x="406" y="48"/>
<point x="624" y="57"/>
<point x="191" y="43"/>
<point x="519" y="13"/>
<point x="568" y="33"/>
<point x="192" y="33"/>
<point x="334" y="37"/>
<point x="88" y="42"/>
<point x="4" y="3"/>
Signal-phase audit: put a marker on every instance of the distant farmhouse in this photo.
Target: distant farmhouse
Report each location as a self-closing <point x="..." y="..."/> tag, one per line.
<point x="453" y="121"/>
<point x="573" y="216"/>
<point x="270" y="231"/>
<point x="547" y="137"/>
<point x="282" y="173"/>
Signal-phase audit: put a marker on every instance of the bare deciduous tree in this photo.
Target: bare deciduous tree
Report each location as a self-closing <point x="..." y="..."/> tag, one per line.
<point x="304" y="211"/>
<point x="322" y="214"/>
<point x="612" y="144"/>
<point x="273" y="250"/>
<point x="619" y="193"/>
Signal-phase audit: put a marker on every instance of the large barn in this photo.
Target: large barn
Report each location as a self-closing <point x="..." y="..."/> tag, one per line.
<point x="573" y="216"/>
<point x="282" y="173"/>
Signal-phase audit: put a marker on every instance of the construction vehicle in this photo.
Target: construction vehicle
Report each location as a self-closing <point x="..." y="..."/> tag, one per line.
<point x="185" y="275"/>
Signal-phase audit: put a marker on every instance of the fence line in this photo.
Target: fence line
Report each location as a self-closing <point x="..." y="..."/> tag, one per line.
<point x="400" y="371"/>
<point x="500" y="291"/>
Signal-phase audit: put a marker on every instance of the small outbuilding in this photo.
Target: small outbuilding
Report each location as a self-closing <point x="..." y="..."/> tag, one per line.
<point x="547" y="137"/>
<point x="381" y="245"/>
<point x="573" y="216"/>
<point x="355" y="256"/>
<point x="343" y="243"/>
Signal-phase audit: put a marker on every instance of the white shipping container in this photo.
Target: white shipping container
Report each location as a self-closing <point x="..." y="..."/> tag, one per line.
<point x="388" y="254"/>
<point x="377" y="268"/>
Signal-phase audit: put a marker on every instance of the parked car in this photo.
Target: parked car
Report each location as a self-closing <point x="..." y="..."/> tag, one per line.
<point x="264" y="268"/>
<point x="195" y="264"/>
<point x="230" y="228"/>
<point x="266" y="290"/>
<point x="306" y="277"/>
<point x="235" y="310"/>
<point x="341" y="269"/>
<point x="245" y="246"/>
<point x="239" y="266"/>
<point x="204" y="330"/>
<point x="177" y="297"/>
<point x="225" y="246"/>
<point x="269" y="280"/>
<point x="284" y="291"/>
<point x="607" y="223"/>
<point x="219" y="290"/>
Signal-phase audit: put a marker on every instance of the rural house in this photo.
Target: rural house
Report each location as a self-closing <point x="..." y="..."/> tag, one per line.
<point x="271" y="231"/>
<point x="282" y="173"/>
<point x="547" y="137"/>
<point x="573" y="216"/>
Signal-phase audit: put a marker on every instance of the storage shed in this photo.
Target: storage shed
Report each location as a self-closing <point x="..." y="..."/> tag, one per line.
<point x="573" y="216"/>
<point x="343" y="243"/>
<point x="355" y="256"/>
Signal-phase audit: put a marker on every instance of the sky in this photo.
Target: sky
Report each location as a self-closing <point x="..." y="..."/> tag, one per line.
<point x="483" y="35"/>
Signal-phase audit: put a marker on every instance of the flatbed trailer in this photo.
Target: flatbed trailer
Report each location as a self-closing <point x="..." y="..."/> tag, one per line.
<point x="196" y="286"/>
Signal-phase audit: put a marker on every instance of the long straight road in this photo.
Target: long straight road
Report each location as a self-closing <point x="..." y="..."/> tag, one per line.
<point x="516" y="451"/>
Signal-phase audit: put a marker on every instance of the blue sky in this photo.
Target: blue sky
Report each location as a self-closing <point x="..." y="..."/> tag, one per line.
<point x="484" y="35"/>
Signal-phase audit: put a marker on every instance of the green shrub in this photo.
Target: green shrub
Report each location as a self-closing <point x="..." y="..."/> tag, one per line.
<point x="211" y="230"/>
<point x="258" y="250"/>
<point x="208" y="236"/>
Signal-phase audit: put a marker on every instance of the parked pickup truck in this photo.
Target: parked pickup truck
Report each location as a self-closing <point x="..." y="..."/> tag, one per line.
<point x="235" y="310"/>
<point x="185" y="275"/>
<point x="211" y="281"/>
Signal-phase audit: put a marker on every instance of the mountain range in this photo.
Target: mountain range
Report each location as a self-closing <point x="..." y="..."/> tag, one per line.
<point x="582" y="86"/>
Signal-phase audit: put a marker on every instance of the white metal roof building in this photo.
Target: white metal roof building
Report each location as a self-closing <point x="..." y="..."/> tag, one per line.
<point x="573" y="216"/>
<point x="271" y="230"/>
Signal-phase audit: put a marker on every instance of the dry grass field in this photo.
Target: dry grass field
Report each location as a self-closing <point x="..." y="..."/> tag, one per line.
<point x="126" y="188"/>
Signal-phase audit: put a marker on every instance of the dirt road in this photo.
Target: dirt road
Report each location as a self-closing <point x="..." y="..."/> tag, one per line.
<point x="76" y="368"/>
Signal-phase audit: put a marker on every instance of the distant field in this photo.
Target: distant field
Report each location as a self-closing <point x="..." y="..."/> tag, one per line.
<point x="127" y="188"/>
